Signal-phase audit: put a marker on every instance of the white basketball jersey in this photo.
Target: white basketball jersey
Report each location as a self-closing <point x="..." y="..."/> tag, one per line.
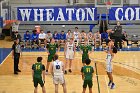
<point x="70" y="47"/>
<point x="57" y="67"/>
<point x="76" y="35"/>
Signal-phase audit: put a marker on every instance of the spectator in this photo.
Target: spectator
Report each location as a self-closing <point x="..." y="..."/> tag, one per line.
<point x="49" y="36"/>
<point x="69" y="35"/>
<point x="27" y="38"/>
<point x="42" y="38"/>
<point x="90" y="37"/>
<point x="62" y="37"/>
<point x="17" y="36"/>
<point x="35" y="38"/>
<point x="56" y="36"/>
<point x="97" y="37"/>
<point x="118" y="35"/>
<point x="125" y="37"/>
<point x="104" y="37"/>
<point x="83" y="36"/>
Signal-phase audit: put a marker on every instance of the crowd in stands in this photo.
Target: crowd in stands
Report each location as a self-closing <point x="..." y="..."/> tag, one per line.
<point x="96" y="39"/>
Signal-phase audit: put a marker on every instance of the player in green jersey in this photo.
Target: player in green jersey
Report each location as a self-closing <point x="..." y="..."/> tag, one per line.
<point x="87" y="74"/>
<point x="85" y="50"/>
<point x="51" y="49"/>
<point x="38" y="70"/>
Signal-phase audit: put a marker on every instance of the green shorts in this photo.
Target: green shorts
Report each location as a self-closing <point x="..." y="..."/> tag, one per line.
<point x="84" y="57"/>
<point x="50" y="58"/>
<point x="87" y="83"/>
<point x="38" y="81"/>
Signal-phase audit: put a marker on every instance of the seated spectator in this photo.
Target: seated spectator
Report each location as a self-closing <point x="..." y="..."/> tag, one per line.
<point x="56" y="36"/>
<point x="17" y="36"/>
<point x="83" y="36"/>
<point x="49" y="36"/>
<point x="90" y="38"/>
<point x="104" y="37"/>
<point x="125" y="37"/>
<point x="42" y="38"/>
<point x="62" y="37"/>
<point x="27" y="38"/>
<point x="97" y="37"/>
<point x="69" y="35"/>
<point x="35" y="38"/>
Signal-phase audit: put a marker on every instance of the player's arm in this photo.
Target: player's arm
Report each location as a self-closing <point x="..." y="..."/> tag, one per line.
<point x="47" y="49"/>
<point x="58" y="48"/>
<point x="82" y="73"/>
<point x="63" y="67"/>
<point x="112" y="54"/>
<point x="74" y="49"/>
<point x="65" y="48"/>
<point x="33" y="71"/>
<point x="43" y="73"/>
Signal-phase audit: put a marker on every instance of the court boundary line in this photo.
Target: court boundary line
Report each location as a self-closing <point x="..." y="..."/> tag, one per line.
<point x="5" y="58"/>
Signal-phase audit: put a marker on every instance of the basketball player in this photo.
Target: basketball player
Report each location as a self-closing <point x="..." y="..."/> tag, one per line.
<point x="52" y="47"/>
<point x="87" y="74"/>
<point x="83" y="36"/>
<point x="57" y="71"/>
<point x="97" y="37"/>
<point x="69" y="53"/>
<point x="90" y="37"/>
<point x="76" y="36"/>
<point x="38" y="70"/>
<point x="110" y="54"/>
<point x="85" y="51"/>
<point x="69" y="35"/>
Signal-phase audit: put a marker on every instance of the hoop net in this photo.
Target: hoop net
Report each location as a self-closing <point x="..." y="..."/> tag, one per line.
<point x="108" y="4"/>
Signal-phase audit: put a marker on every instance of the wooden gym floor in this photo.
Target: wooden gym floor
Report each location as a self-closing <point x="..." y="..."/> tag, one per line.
<point x="126" y="72"/>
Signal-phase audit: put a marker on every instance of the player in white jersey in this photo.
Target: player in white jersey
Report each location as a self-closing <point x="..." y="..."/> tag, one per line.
<point x="110" y="54"/>
<point x="69" y="35"/>
<point x="76" y="36"/>
<point x="57" y="71"/>
<point x="69" y="53"/>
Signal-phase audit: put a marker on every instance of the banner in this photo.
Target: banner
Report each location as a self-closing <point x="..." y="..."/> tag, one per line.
<point x="124" y="13"/>
<point x="56" y="13"/>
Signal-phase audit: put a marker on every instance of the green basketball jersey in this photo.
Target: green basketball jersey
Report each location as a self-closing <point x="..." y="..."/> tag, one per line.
<point x="52" y="48"/>
<point x="85" y="49"/>
<point x="87" y="70"/>
<point x="38" y="68"/>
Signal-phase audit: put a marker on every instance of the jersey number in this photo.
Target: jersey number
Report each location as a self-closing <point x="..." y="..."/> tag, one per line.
<point x="57" y="66"/>
<point x="37" y="67"/>
<point x="88" y="69"/>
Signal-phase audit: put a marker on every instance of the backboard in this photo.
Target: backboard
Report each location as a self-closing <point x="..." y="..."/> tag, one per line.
<point x="112" y="3"/>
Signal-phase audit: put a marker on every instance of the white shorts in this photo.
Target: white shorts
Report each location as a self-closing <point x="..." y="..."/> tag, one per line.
<point x="70" y="55"/>
<point x="108" y="65"/>
<point x="58" y="79"/>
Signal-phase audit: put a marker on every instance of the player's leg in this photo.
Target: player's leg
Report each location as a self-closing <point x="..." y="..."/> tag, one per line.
<point x="56" y="88"/>
<point x="43" y="89"/>
<point x="62" y="82"/>
<point x="90" y="84"/>
<point x="66" y="64"/>
<point x="35" y="90"/>
<point x="85" y="86"/>
<point x="35" y="81"/>
<point x="50" y="57"/>
<point x="70" y="65"/>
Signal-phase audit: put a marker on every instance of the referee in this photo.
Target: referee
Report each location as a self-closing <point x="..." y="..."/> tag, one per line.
<point x="118" y="35"/>
<point x="16" y="50"/>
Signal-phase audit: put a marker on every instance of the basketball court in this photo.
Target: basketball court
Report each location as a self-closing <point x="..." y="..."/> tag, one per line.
<point x="126" y="73"/>
<point x="126" y="69"/>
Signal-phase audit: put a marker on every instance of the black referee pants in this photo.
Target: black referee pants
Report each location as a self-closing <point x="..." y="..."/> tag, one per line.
<point x="16" y="62"/>
<point x="118" y="40"/>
